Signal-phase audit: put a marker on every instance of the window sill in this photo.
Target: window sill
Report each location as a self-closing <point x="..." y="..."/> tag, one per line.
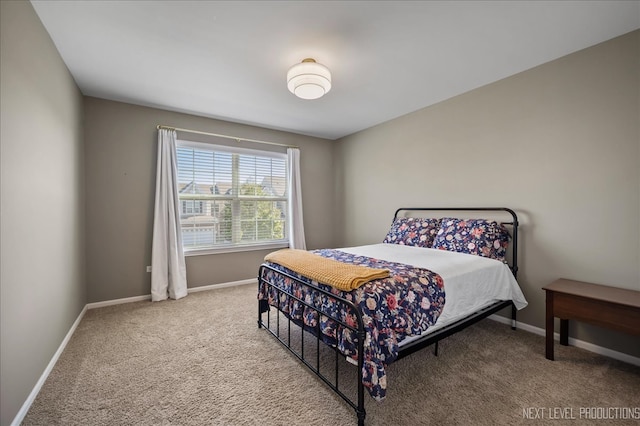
<point x="234" y="249"/>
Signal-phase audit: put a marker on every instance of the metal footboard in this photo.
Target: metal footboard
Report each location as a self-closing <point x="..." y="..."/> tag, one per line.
<point x="332" y="382"/>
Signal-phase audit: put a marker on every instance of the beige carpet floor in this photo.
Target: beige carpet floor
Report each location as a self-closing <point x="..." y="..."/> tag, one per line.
<point x="202" y="360"/>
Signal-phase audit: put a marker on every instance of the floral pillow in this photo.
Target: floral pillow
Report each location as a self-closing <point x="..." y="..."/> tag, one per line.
<point x="409" y="231"/>
<point x="473" y="236"/>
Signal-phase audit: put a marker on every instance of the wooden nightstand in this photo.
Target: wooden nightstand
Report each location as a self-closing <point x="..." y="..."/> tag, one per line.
<point x="604" y="306"/>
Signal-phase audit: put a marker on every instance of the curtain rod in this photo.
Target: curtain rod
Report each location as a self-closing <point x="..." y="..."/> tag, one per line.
<point x="178" y="129"/>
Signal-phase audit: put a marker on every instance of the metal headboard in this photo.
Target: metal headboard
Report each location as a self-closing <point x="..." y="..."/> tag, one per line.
<point x="513" y="223"/>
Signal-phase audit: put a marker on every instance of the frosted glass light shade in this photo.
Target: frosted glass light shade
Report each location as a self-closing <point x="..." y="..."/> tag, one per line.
<point x="309" y="79"/>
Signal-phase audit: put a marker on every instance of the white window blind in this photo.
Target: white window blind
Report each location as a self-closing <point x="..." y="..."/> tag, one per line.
<point x="231" y="198"/>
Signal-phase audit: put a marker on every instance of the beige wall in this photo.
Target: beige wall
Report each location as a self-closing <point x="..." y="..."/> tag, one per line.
<point x="121" y="142"/>
<point x="558" y="143"/>
<point x="42" y="206"/>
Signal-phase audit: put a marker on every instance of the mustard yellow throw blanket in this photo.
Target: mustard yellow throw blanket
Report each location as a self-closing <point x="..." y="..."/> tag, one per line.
<point x="343" y="276"/>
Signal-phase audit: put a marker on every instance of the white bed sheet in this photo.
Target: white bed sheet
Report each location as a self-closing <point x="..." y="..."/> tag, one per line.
<point x="470" y="282"/>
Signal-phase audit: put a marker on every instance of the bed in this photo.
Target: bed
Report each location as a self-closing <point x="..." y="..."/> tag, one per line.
<point x="446" y="271"/>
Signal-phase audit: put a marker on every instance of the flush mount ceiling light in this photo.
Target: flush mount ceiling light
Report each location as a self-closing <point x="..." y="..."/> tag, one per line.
<point x="309" y="79"/>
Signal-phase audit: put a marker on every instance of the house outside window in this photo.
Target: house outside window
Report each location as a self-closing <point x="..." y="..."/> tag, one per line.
<point x="231" y="199"/>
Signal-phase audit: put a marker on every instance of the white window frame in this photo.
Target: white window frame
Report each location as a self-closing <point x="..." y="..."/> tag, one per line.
<point x="236" y="198"/>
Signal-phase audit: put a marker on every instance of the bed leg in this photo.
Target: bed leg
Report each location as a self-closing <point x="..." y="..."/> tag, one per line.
<point x="435" y="349"/>
<point x="259" y="307"/>
<point x="260" y="303"/>
<point x="360" y="410"/>
<point x="513" y="316"/>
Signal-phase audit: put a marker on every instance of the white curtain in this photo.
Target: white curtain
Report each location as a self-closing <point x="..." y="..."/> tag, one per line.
<point x="168" y="270"/>
<point x="296" y="227"/>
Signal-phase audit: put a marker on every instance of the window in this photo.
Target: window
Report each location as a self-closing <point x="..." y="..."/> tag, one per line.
<point x="192" y="207"/>
<point x="231" y="198"/>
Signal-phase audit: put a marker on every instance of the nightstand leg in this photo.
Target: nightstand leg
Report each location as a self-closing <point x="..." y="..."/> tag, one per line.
<point x="549" y="325"/>
<point x="564" y="332"/>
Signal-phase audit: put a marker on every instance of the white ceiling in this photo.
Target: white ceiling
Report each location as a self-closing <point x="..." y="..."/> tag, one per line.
<point x="228" y="60"/>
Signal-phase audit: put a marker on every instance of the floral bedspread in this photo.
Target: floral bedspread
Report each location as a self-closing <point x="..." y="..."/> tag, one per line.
<point x="406" y="303"/>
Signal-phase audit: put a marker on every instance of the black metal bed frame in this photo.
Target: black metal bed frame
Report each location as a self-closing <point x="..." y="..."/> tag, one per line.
<point x="405" y="350"/>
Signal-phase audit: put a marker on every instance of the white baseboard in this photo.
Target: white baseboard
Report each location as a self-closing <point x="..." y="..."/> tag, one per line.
<point x="630" y="359"/>
<point x="223" y="285"/>
<point x="189" y="290"/>
<point x="95" y="305"/>
<point x="36" y="389"/>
